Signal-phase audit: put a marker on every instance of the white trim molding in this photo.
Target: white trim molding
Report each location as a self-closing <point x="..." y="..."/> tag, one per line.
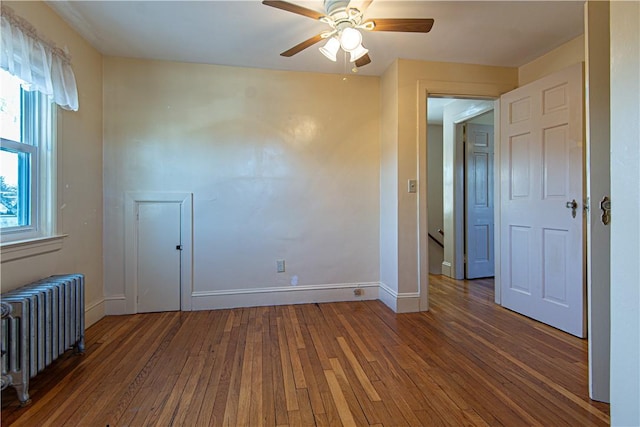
<point x="404" y="302"/>
<point x="12" y="251"/>
<point x="115" y="305"/>
<point x="132" y="200"/>
<point x="388" y="296"/>
<point x="94" y="312"/>
<point x="308" y="294"/>
<point x="425" y="88"/>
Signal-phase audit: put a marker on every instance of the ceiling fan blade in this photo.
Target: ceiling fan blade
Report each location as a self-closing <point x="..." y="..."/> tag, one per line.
<point x="293" y="8"/>
<point x="410" y="25"/>
<point x="361" y="62"/>
<point x="365" y="5"/>
<point x="302" y="46"/>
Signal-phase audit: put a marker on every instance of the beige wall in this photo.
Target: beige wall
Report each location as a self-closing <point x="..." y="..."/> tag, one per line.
<point x="303" y="167"/>
<point x="555" y="60"/>
<point x="281" y="165"/>
<point x="79" y="144"/>
<point x="389" y="184"/>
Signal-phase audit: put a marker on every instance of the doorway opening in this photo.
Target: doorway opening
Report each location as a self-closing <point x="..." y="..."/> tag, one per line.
<point x="460" y="186"/>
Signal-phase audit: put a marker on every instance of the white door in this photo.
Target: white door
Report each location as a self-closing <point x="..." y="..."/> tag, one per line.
<point x="541" y="169"/>
<point x="479" y="201"/>
<point x="158" y="256"/>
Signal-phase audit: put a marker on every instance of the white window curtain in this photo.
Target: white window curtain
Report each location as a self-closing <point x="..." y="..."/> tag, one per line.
<point x="43" y="66"/>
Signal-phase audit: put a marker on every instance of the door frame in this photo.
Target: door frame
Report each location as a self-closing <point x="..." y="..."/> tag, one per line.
<point x="426" y="88"/>
<point x="132" y="200"/>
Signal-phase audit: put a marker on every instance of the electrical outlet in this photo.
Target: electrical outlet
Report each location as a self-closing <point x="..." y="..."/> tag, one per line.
<point x="358" y="292"/>
<point x="280" y="266"/>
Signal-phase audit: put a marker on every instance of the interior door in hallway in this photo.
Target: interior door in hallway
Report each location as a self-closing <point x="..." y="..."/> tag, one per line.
<point x="541" y="193"/>
<point x="158" y="256"/>
<point x="479" y="201"/>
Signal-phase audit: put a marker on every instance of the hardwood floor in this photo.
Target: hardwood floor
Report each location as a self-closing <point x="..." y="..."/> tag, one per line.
<point x="466" y="362"/>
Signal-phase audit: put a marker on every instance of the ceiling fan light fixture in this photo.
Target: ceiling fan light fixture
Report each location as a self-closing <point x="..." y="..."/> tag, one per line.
<point x="350" y="39"/>
<point x="358" y="53"/>
<point x="345" y="26"/>
<point x="330" y="49"/>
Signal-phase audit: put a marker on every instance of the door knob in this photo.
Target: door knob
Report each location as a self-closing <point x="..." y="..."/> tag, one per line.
<point x="573" y="205"/>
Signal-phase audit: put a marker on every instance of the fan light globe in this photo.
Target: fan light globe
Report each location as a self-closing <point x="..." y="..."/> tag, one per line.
<point x="350" y="39"/>
<point x="358" y="53"/>
<point x="330" y="49"/>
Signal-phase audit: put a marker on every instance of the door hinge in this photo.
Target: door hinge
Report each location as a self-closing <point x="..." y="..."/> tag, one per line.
<point x="605" y="208"/>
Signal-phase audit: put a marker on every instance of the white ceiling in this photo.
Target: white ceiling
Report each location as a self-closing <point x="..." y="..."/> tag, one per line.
<point x="435" y="109"/>
<point x="250" y="34"/>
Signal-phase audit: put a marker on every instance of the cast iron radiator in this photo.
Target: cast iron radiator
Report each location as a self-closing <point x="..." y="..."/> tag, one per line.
<point x="40" y="321"/>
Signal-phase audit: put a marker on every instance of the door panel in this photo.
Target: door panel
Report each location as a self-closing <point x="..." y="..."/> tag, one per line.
<point x="554" y="250"/>
<point x="520" y="238"/>
<point x="555" y="152"/>
<point x="482" y="237"/>
<point x="542" y="257"/>
<point x="519" y="182"/>
<point x="479" y="201"/>
<point x="157" y="256"/>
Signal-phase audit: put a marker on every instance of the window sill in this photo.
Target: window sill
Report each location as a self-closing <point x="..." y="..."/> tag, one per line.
<point x="11" y="251"/>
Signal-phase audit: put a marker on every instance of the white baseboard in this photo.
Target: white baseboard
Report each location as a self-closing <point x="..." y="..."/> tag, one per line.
<point x="93" y="312"/>
<point x="388" y="296"/>
<point x="408" y="302"/>
<point x="211" y="300"/>
<point x="447" y="269"/>
<point x="115" y="305"/>
<point x="405" y="302"/>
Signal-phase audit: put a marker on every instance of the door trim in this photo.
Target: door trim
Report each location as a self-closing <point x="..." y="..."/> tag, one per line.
<point x="488" y="91"/>
<point x="132" y="200"/>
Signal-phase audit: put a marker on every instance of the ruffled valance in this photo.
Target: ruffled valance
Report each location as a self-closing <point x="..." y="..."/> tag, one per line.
<point x="38" y="62"/>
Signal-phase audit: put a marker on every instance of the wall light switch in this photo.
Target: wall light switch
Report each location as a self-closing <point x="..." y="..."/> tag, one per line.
<point x="280" y="266"/>
<point x="413" y="186"/>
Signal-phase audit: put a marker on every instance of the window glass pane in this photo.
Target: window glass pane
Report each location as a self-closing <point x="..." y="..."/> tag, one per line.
<point x="10" y="108"/>
<point x="14" y="188"/>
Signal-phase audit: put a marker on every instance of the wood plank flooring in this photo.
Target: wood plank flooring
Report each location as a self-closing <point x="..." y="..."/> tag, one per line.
<point x="465" y="362"/>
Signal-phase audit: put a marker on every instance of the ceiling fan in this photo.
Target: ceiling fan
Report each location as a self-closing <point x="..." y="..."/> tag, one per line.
<point x="345" y="23"/>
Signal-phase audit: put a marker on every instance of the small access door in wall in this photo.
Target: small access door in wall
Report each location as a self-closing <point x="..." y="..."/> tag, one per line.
<point x="159" y="246"/>
<point x="158" y="251"/>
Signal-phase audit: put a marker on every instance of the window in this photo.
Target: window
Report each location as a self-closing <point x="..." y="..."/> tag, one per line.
<point x="26" y="162"/>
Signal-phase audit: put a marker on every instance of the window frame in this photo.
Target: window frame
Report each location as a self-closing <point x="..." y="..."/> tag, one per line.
<point x="27" y="198"/>
<point x="38" y="131"/>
